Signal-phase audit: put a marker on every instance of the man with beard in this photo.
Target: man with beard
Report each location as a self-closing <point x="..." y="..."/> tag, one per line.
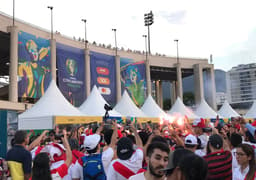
<point x="157" y="160"/>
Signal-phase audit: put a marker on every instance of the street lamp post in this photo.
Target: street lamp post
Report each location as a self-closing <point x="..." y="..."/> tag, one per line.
<point x="51" y="8"/>
<point x="13" y="12"/>
<point x="85" y="37"/>
<point x="149" y="20"/>
<point x="115" y="40"/>
<point x="177" y="43"/>
<point x="145" y="36"/>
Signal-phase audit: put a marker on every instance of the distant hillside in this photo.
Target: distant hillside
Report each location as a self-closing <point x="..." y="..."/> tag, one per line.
<point x="188" y="83"/>
<point x="220" y="82"/>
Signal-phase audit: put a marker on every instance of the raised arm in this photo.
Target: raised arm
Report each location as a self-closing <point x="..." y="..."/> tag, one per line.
<point x="68" y="150"/>
<point x="100" y="128"/>
<point x="37" y="141"/>
<point x="114" y="136"/>
<point x="137" y="137"/>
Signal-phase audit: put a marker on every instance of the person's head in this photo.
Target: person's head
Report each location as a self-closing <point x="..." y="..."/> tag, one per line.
<point x="21" y="137"/>
<point x="174" y="159"/>
<point x="190" y="167"/>
<point x="157" y="158"/>
<point x="92" y="143"/>
<point x="41" y="167"/>
<point x="235" y="139"/>
<point x="80" y="130"/>
<point x="249" y="137"/>
<point x="234" y="120"/>
<point x="144" y="137"/>
<point x="198" y="126"/>
<point x="124" y="148"/>
<point x="52" y="135"/>
<point x="156" y="130"/>
<point x="226" y="127"/>
<point x="159" y="139"/>
<point x="108" y="135"/>
<point x="124" y="133"/>
<point x="132" y="138"/>
<point x="191" y="143"/>
<point x="73" y="143"/>
<point x="245" y="156"/>
<point x="215" y="143"/>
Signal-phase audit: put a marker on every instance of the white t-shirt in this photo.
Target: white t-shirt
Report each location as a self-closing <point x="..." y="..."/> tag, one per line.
<point x="234" y="161"/>
<point x="238" y="175"/>
<point x="139" y="176"/>
<point x="204" y="140"/>
<point x="107" y="156"/>
<point x="200" y="152"/>
<point x="134" y="164"/>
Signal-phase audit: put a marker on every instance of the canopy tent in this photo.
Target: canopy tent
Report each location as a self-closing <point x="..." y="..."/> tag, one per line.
<point x="127" y="108"/>
<point x="205" y="111"/>
<point x="251" y="114"/>
<point x="179" y="108"/>
<point x="94" y="105"/>
<point x="151" y="109"/>
<point x="51" y="104"/>
<point x="226" y="111"/>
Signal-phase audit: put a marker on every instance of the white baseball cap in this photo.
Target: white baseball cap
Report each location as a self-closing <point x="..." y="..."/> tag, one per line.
<point x="91" y="141"/>
<point x="191" y="140"/>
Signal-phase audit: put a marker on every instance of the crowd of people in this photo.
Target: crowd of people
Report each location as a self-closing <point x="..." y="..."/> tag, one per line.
<point x="168" y="151"/>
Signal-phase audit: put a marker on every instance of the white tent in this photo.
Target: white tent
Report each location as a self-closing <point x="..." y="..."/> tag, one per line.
<point x="94" y="105"/>
<point x="151" y="109"/>
<point x="227" y="111"/>
<point x="51" y="104"/>
<point x="127" y="108"/>
<point x="179" y="108"/>
<point x="205" y="111"/>
<point x="252" y="111"/>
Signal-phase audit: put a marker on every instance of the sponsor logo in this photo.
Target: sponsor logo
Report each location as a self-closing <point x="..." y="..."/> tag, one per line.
<point x="103" y="80"/>
<point x="102" y="70"/>
<point x="104" y="90"/>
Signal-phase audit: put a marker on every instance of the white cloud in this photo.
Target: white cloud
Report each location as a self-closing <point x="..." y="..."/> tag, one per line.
<point x="203" y="27"/>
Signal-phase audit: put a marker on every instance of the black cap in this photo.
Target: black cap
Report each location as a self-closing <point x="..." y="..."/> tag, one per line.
<point x="124" y="148"/>
<point x="216" y="141"/>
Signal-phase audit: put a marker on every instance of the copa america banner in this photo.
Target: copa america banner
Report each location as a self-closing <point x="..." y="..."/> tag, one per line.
<point x="70" y="64"/>
<point x="133" y="79"/>
<point x="34" y="68"/>
<point x="103" y="75"/>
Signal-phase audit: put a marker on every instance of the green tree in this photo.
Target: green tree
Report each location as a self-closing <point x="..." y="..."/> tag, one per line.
<point x="167" y="104"/>
<point x="188" y="98"/>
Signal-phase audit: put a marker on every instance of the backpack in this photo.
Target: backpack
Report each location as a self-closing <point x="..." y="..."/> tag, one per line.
<point x="93" y="168"/>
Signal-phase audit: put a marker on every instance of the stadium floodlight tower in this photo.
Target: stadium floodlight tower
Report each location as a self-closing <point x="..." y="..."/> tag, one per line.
<point x="51" y="7"/>
<point x="149" y="20"/>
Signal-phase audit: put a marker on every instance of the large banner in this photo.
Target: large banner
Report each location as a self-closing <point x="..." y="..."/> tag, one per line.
<point x="133" y="79"/>
<point x="71" y="73"/>
<point x="103" y="75"/>
<point x="34" y="65"/>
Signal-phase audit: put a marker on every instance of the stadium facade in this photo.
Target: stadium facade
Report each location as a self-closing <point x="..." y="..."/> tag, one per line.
<point x="31" y="58"/>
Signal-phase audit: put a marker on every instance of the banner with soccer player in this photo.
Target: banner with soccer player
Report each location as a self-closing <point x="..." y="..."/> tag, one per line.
<point x="34" y="67"/>
<point x="133" y="79"/>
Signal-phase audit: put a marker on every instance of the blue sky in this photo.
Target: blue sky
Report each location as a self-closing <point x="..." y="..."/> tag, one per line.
<point x="224" y="28"/>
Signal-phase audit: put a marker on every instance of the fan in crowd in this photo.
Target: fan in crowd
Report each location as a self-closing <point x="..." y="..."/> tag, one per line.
<point x="199" y="150"/>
